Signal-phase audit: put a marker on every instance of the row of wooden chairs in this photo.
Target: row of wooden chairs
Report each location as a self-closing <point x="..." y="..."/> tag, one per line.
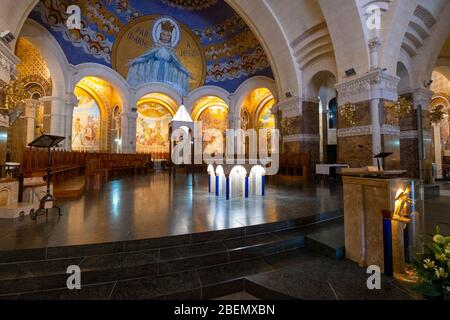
<point x="159" y="155"/>
<point x="37" y="159"/>
<point x="68" y="164"/>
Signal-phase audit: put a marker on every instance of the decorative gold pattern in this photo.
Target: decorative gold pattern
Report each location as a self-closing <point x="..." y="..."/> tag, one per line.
<point x="15" y="94"/>
<point x="437" y="115"/>
<point x="401" y="108"/>
<point x="348" y="112"/>
<point x="31" y="61"/>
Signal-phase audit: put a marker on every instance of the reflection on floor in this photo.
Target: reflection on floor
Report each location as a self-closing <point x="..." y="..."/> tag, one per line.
<point x="156" y="205"/>
<point x="437" y="211"/>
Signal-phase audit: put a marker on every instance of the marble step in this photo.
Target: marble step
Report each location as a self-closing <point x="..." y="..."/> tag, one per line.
<point x="328" y="241"/>
<point x="202" y="283"/>
<point x="83" y="250"/>
<point x="51" y="273"/>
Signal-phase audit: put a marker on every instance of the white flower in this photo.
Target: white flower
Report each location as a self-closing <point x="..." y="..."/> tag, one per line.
<point x="441" y="257"/>
<point x="438" y="238"/>
<point x="440" y="273"/>
<point x="427" y="263"/>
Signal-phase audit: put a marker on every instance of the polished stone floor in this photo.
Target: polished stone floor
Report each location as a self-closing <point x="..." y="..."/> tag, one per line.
<point x="157" y="205"/>
<point x="437" y="211"/>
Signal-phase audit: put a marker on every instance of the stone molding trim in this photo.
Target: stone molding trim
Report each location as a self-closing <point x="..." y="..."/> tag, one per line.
<point x="8" y="63"/>
<point x="376" y="84"/>
<point x="412" y="134"/>
<point x="390" y="130"/>
<point x="302" y="137"/>
<point x="354" y="131"/>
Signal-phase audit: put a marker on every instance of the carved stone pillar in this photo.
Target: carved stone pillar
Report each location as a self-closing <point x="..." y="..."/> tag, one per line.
<point x="71" y="103"/>
<point x="129" y="132"/>
<point x="371" y="130"/>
<point x="409" y="142"/>
<point x="8" y="63"/>
<point x="54" y="115"/>
<point x="30" y="119"/>
<point x="374" y="45"/>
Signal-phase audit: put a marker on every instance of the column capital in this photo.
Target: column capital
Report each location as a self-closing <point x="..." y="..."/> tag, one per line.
<point x="376" y="84"/>
<point x="289" y="107"/>
<point x="8" y="63"/>
<point x="310" y="98"/>
<point x="423" y="97"/>
<point x="71" y="99"/>
<point x="30" y="107"/>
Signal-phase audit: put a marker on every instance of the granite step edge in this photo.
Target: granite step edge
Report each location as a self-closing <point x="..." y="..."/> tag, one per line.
<point x="74" y="251"/>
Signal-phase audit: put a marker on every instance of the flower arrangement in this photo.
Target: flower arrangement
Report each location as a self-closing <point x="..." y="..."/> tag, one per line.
<point x="433" y="267"/>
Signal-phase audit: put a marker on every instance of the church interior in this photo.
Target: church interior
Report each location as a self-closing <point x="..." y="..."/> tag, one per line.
<point x="351" y="98"/>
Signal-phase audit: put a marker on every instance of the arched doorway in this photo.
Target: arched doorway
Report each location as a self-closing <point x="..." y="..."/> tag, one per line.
<point x="155" y="111"/>
<point x="256" y="113"/>
<point x="86" y="122"/>
<point x="97" y="117"/>
<point x="441" y="103"/>
<point x="212" y="112"/>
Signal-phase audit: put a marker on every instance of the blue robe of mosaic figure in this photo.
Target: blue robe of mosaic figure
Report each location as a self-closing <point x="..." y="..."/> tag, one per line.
<point x="159" y="64"/>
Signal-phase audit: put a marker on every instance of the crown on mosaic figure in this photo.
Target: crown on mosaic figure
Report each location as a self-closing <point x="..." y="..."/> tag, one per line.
<point x="167" y="26"/>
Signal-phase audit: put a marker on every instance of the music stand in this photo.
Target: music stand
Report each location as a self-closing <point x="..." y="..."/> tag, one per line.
<point x="46" y="141"/>
<point x="382" y="156"/>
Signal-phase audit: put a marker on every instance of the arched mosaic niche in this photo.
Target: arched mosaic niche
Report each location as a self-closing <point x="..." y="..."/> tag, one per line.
<point x="212" y="34"/>
<point x="257" y="104"/>
<point x="86" y="122"/>
<point x="155" y="111"/>
<point x="212" y="111"/>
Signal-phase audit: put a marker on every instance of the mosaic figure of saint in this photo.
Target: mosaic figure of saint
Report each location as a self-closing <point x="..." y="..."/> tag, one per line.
<point x="160" y="63"/>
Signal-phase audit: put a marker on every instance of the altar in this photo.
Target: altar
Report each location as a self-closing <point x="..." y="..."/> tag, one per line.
<point x="236" y="180"/>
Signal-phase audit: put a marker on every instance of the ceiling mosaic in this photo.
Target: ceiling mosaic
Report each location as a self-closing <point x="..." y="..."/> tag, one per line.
<point x="229" y="52"/>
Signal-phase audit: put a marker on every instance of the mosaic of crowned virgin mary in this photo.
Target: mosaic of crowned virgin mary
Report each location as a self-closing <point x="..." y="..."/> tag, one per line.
<point x="160" y="63"/>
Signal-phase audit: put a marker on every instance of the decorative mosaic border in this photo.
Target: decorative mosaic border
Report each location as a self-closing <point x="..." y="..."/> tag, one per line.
<point x="354" y="131"/>
<point x="302" y="137"/>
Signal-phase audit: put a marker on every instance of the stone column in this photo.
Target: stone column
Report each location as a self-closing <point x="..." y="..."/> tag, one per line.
<point x="437" y="150"/>
<point x="289" y="123"/>
<point x="71" y="103"/>
<point x="310" y="129"/>
<point x="54" y="115"/>
<point x="30" y="119"/>
<point x="129" y="132"/>
<point x="8" y="63"/>
<point x="409" y="142"/>
<point x="367" y="93"/>
<point x="374" y="45"/>
<point x="376" y="128"/>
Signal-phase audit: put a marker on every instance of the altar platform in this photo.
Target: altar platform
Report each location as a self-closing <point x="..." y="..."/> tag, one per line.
<point x="157" y="205"/>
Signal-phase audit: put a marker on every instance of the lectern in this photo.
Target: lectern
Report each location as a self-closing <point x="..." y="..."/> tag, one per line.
<point x="381" y="156"/>
<point x="46" y="141"/>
